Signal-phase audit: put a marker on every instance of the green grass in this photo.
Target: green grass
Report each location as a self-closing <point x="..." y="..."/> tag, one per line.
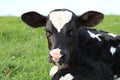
<point x="110" y="23"/>
<point x="24" y="51"/>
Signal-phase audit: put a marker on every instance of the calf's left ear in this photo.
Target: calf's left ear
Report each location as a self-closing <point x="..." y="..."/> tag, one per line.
<point x="34" y="19"/>
<point x="90" y="18"/>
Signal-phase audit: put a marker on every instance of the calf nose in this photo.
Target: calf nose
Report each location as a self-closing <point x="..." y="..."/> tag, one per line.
<point x="55" y="54"/>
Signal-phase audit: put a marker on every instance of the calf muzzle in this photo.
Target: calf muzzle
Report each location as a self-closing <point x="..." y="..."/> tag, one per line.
<point x="55" y="55"/>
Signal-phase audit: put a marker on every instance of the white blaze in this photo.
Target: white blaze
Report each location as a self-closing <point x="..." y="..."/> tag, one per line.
<point x="60" y="18"/>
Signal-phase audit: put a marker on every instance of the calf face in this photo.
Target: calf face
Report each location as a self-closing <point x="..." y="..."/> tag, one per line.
<point x="61" y="27"/>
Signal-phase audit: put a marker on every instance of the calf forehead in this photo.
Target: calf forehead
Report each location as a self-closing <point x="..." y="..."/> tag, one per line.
<point x="60" y="18"/>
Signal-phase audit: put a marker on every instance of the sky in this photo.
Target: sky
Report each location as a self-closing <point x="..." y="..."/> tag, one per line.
<point x="18" y="7"/>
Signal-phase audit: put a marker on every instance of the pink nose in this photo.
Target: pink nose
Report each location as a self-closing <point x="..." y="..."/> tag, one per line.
<point x="55" y="53"/>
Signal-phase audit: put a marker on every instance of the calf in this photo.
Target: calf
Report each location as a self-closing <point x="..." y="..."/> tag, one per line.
<point x="87" y="53"/>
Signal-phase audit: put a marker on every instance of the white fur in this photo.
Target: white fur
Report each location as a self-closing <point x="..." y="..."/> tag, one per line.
<point x="67" y="77"/>
<point x="94" y="35"/>
<point x="117" y="79"/>
<point x="53" y="70"/>
<point x="112" y="50"/>
<point x="60" y="18"/>
<point x="113" y="35"/>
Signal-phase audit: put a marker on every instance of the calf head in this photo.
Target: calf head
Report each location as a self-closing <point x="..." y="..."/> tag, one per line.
<point x="62" y="27"/>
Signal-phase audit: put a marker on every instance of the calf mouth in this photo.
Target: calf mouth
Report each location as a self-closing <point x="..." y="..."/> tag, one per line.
<point x="63" y="66"/>
<point x="60" y="64"/>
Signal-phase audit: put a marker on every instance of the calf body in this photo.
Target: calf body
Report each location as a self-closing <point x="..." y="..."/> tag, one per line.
<point x="71" y="43"/>
<point x="86" y="70"/>
<point x="105" y="47"/>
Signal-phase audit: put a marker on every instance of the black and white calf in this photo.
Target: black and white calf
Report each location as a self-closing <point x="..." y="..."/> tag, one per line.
<point x="80" y="53"/>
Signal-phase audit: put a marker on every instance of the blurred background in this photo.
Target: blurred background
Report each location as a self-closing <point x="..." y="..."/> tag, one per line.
<point x="24" y="50"/>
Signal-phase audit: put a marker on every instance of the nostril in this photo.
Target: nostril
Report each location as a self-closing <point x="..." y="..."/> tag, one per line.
<point x="49" y="59"/>
<point x="50" y="56"/>
<point x="63" y="55"/>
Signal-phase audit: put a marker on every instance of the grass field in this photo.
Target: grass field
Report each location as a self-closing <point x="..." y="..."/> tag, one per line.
<point x="24" y="52"/>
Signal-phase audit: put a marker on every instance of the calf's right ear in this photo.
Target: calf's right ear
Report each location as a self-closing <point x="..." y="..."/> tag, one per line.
<point x="34" y="19"/>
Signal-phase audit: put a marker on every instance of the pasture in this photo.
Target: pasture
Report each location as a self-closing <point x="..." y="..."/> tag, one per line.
<point x="24" y="51"/>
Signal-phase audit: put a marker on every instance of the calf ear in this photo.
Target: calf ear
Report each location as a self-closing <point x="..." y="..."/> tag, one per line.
<point x="34" y="19"/>
<point x="91" y="18"/>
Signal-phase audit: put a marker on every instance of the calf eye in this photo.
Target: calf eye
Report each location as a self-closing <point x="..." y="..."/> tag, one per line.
<point x="48" y="33"/>
<point x="70" y="33"/>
